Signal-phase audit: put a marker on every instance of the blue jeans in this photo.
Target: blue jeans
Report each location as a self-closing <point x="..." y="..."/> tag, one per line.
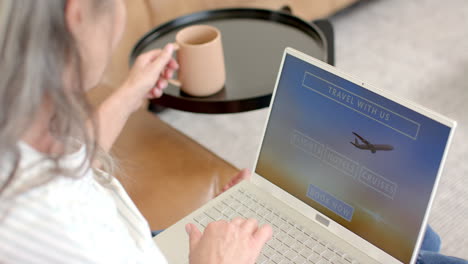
<point x="428" y="254"/>
<point x="157" y="232"/>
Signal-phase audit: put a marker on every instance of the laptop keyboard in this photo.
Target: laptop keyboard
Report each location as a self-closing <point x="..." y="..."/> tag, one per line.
<point x="291" y="243"/>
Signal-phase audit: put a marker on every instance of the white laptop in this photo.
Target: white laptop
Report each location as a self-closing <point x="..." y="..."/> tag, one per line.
<point x="346" y="172"/>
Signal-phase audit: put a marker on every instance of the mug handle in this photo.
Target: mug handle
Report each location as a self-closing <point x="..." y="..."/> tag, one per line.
<point x="175" y="82"/>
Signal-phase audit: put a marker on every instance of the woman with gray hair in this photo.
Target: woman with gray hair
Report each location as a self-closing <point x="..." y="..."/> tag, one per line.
<point x="57" y="203"/>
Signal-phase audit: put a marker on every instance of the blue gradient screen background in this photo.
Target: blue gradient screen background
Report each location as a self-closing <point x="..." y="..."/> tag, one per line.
<point x="307" y="148"/>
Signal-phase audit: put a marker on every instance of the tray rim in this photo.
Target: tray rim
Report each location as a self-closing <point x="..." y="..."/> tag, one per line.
<point x="210" y="104"/>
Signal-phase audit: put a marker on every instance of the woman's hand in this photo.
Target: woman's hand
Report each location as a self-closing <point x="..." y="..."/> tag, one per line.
<point x="242" y="175"/>
<point x="149" y="76"/>
<point x="147" y="79"/>
<point x="238" y="242"/>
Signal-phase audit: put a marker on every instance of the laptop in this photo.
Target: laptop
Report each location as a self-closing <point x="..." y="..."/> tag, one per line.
<point x="346" y="172"/>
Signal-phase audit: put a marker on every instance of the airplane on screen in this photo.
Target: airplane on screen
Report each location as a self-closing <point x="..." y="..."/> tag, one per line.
<point x="368" y="146"/>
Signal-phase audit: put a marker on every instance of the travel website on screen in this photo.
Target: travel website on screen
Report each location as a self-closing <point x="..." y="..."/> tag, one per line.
<point x="366" y="162"/>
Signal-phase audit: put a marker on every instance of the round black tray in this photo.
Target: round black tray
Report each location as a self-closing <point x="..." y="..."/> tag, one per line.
<point x="254" y="41"/>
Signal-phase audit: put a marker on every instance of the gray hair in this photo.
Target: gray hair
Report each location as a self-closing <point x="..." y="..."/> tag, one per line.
<point x="35" y="48"/>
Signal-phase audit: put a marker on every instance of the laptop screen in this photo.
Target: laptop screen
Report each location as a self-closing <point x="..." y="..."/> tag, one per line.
<point x="365" y="161"/>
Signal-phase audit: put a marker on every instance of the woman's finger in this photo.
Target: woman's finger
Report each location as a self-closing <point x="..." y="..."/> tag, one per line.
<point x="159" y="64"/>
<point x="162" y="84"/>
<point x="158" y="93"/>
<point x="238" y="221"/>
<point x="168" y="73"/>
<point x="147" y="57"/>
<point x="242" y="175"/>
<point x="262" y="235"/>
<point x="194" y="235"/>
<point x="173" y="64"/>
<point x="249" y="226"/>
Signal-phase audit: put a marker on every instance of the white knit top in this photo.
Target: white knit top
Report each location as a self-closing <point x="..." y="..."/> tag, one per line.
<point x="70" y="220"/>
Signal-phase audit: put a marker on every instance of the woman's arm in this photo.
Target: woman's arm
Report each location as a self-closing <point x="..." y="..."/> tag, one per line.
<point x="147" y="79"/>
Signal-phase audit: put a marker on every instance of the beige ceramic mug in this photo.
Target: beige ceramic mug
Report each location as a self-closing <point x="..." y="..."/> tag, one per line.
<point x="201" y="59"/>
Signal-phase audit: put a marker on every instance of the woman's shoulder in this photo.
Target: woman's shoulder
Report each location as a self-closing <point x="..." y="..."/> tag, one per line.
<point x="57" y="199"/>
<point x="36" y="222"/>
<point x="52" y="184"/>
<point x="72" y="218"/>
